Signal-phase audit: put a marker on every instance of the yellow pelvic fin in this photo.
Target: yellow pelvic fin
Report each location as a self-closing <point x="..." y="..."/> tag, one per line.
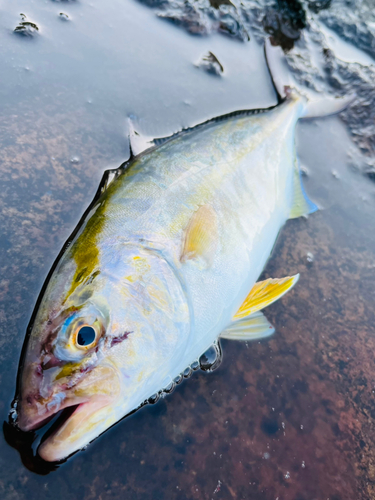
<point x="265" y="293"/>
<point x="201" y="236"/>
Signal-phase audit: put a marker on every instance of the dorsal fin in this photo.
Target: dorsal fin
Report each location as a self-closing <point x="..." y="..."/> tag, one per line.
<point x="108" y="177"/>
<point x="138" y="142"/>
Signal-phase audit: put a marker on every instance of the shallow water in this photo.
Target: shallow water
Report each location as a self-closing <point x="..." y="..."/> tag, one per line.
<point x="289" y="418"/>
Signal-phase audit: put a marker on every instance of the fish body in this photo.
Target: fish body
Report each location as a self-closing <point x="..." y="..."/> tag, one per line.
<point x="159" y="268"/>
<point x="237" y="176"/>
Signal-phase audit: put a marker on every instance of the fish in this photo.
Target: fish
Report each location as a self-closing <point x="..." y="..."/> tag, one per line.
<point x="163" y="263"/>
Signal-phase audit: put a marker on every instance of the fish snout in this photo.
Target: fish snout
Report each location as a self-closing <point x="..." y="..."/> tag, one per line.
<point x="94" y="412"/>
<point x="31" y="408"/>
<point x="43" y="394"/>
<point x="32" y="413"/>
<point x="40" y="397"/>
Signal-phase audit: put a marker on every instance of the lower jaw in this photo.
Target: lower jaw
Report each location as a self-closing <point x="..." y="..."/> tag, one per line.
<point x="72" y="431"/>
<point x="59" y="422"/>
<point x="45" y="428"/>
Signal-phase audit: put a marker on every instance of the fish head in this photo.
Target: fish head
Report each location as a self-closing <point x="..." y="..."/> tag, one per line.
<point x="104" y="339"/>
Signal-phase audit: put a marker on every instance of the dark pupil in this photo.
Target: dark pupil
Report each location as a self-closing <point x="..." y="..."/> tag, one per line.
<point x="86" y="335"/>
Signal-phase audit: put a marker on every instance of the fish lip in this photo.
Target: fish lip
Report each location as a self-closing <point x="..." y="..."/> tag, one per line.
<point x="25" y="424"/>
<point x="66" y="414"/>
<point x="59" y="451"/>
<point x="33" y="426"/>
<point x="57" y="441"/>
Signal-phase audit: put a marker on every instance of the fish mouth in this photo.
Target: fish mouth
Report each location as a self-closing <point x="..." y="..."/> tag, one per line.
<point x="68" y="429"/>
<point x="73" y="418"/>
<point x="75" y="427"/>
<point x="61" y="417"/>
<point x="31" y="420"/>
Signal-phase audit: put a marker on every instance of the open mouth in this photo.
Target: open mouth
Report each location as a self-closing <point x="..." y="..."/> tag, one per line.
<point x="65" y="422"/>
<point x="60" y="418"/>
<point x="45" y="427"/>
<point x="75" y="427"/>
<point x="29" y="419"/>
<point x="28" y="442"/>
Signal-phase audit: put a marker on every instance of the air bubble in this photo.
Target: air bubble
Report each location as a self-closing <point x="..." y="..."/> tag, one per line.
<point x="310" y="257"/>
<point x="195" y="365"/>
<point x="170" y="388"/>
<point x="154" y="398"/>
<point x="178" y="379"/>
<point x="13" y="412"/>
<point x="212" y="358"/>
<point x="304" y="171"/>
<point x="187" y="373"/>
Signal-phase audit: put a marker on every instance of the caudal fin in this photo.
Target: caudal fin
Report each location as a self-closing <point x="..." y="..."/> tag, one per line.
<point x="316" y="105"/>
<point x="319" y="106"/>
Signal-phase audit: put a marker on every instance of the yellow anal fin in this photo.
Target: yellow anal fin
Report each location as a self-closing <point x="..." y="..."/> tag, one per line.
<point x="201" y="236"/>
<point x="265" y="293"/>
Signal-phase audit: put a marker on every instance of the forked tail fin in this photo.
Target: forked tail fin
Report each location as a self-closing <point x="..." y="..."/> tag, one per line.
<point x="316" y="105"/>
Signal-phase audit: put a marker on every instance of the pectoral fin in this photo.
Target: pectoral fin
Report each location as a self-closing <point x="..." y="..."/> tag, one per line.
<point x="265" y="293"/>
<point x="201" y="236"/>
<point x="253" y="327"/>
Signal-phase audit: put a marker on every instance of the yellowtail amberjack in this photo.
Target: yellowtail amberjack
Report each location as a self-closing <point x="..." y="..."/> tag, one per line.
<point x="163" y="263"/>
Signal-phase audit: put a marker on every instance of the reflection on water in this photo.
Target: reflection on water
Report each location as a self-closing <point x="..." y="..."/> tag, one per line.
<point x="290" y="417"/>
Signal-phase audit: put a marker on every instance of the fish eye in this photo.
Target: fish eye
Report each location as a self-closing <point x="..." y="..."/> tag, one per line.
<point x="85" y="336"/>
